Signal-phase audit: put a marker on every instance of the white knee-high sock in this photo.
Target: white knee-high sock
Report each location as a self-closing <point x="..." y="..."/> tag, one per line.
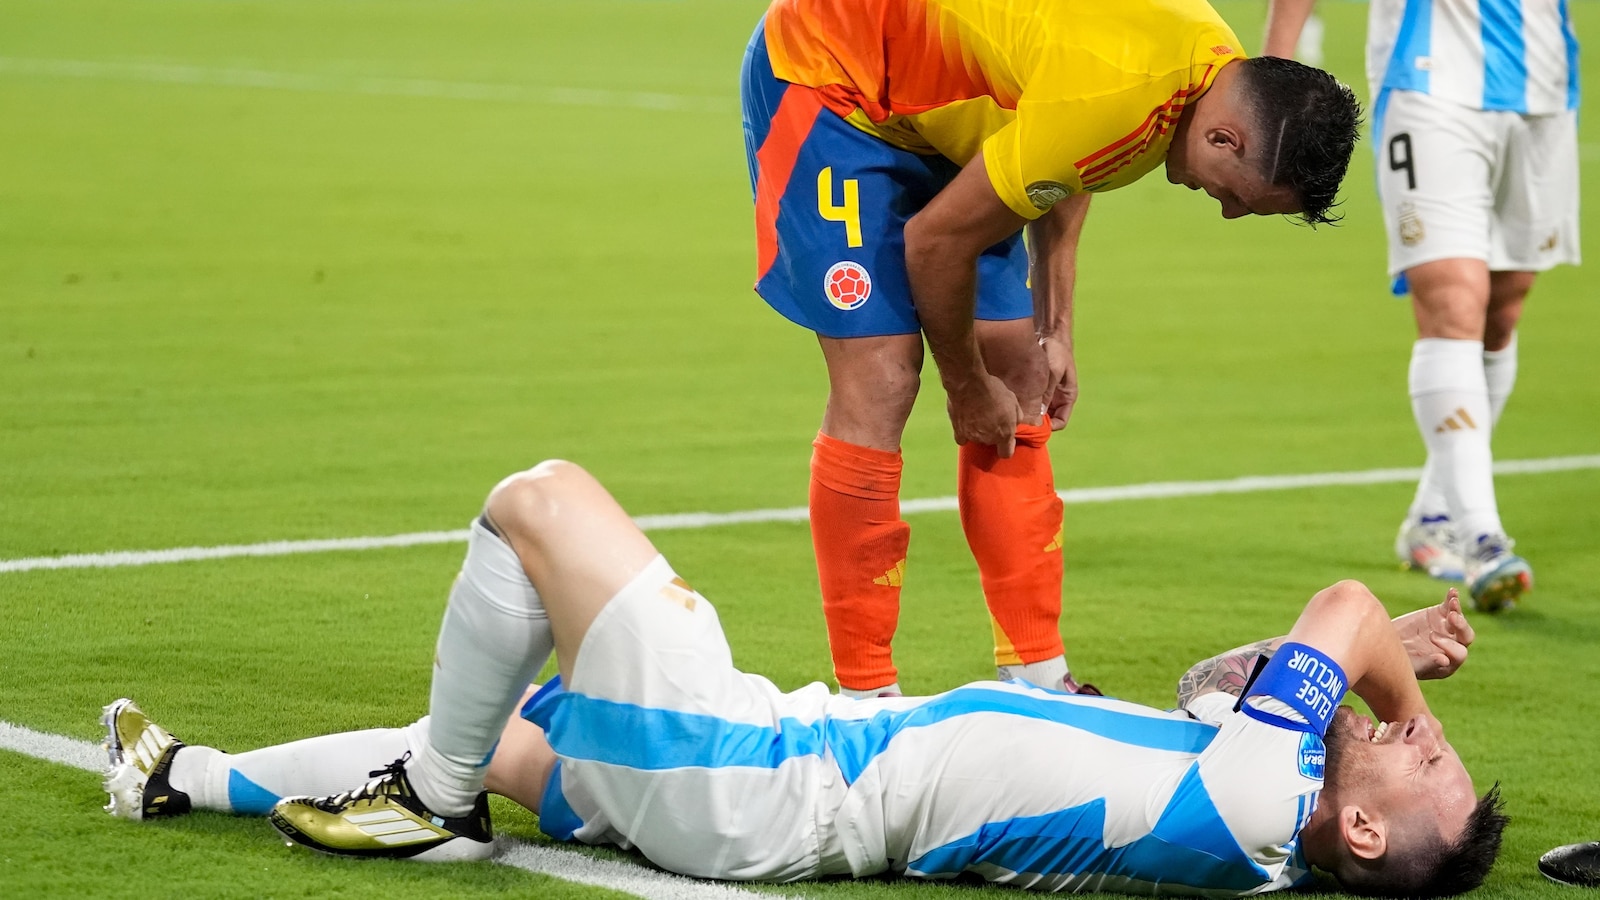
<point x="1429" y="500"/>
<point x="1450" y="400"/>
<point x="1500" y="375"/>
<point x="1500" y="372"/>
<point x="494" y="640"/>
<point x="249" y="783"/>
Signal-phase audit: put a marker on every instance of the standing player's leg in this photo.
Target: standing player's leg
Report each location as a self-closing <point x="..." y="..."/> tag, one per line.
<point x="831" y="204"/>
<point x="857" y="533"/>
<point x="1010" y="512"/>
<point x="1440" y="179"/>
<point x="1450" y="394"/>
<point x="1507" y="292"/>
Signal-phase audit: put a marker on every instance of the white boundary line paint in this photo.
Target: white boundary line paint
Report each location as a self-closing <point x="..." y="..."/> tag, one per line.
<point x="678" y="521"/>
<point x="371" y="85"/>
<point x="567" y="865"/>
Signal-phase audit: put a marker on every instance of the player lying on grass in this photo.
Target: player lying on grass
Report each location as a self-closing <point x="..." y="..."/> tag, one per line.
<point x="652" y="739"/>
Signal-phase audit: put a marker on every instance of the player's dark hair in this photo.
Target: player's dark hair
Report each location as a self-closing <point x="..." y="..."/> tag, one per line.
<point x="1445" y="869"/>
<point x="1311" y="122"/>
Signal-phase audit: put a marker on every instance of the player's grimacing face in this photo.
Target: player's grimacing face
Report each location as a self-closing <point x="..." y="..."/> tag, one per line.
<point x="1408" y="766"/>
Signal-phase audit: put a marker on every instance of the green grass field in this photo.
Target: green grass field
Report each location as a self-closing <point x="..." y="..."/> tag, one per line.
<point x="293" y="270"/>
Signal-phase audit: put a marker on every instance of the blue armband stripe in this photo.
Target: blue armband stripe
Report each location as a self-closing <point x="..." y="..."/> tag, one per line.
<point x="1306" y="679"/>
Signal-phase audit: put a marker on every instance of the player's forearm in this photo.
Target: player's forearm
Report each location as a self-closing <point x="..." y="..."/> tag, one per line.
<point x="1348" y="624"/>
<point x="1053" y="240"/>
<point x="1285" y="20"/>
<point x="943" y="275"/>
<point x="1421" y="634"/>
<point x="943" y="243"/>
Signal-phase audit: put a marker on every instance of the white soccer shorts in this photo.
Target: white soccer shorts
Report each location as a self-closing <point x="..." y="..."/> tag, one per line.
<point x="665" y="746"/>
<point x="1460" y="182"/>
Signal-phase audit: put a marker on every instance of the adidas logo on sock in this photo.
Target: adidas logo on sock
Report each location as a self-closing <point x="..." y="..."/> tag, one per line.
<point x="895" y="577"/>
<point x="1456" y="421"/>
<point x="1055" y="542"/>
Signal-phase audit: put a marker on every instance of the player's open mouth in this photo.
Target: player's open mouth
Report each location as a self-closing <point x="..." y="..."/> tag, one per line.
<point x="1376" y="733"/>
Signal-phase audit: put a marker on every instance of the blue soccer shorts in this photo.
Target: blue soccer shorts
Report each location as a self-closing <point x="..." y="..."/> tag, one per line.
<point x="831" y="207"/>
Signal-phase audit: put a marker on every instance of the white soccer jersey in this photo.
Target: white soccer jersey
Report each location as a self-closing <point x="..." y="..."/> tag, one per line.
<point x="664" y="746"/>
<point x="1506" y="55"/>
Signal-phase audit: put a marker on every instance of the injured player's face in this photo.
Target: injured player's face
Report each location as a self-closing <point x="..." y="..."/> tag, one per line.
<point x="1404" y="772"/>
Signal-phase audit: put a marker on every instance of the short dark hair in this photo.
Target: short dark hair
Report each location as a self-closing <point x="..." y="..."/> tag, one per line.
<point x="1446" y="869"/>
<point x="1312" y="122"/>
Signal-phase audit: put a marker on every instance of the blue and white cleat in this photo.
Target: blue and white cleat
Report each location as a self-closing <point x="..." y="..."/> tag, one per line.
<point x="1496" y="578"/>
<point x="1428" y="544"/>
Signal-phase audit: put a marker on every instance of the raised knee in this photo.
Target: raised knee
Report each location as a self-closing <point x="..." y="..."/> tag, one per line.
<point x="1351" y="594"/>
<point x="527" y="501"/>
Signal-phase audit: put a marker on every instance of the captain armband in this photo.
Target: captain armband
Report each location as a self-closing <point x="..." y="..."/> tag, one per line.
<point x="1303" y="678"/>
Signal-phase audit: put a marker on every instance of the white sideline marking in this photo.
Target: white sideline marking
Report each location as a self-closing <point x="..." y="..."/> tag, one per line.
<point x="639" y="881"/>
<point x="52" y="747"/>
<point x="1151" y="491"/>
<point x="372" y="85"/>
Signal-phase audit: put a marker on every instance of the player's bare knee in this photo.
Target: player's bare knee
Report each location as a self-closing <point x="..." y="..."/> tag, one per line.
<point x="527" y="503"/>
<point x="1349" y="596"/>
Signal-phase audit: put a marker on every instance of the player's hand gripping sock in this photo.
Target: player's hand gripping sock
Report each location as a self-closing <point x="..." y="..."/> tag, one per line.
<point x="1012" y="518"/>
<point x="860" y="543"/>
<point x="385" y="818"/>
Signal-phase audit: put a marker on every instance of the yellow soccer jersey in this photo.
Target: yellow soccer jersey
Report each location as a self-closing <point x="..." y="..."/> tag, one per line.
<point x="1062" y="96"/>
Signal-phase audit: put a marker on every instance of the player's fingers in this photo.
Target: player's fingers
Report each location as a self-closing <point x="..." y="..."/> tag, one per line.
<point x="1007" y="447"/>
<point x="1454" y="651"/>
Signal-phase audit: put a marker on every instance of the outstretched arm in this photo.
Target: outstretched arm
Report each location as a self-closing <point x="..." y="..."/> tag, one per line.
<point x="1435" y="640"/>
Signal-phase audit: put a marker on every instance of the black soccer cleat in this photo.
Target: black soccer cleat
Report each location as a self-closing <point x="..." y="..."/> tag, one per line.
<point x="1574" y="864"/>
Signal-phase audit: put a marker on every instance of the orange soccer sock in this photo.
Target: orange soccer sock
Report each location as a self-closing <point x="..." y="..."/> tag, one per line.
<point x="1012" y="519"/>
<point x="860" y="542"/>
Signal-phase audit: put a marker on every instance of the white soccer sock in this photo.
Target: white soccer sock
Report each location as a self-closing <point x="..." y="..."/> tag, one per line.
<point x="1500" y="372"/>
<point x="1450" y="400"/>
<point x="1430" y="499"/>
<point x="494" y="639"/>
<point x="250" y="783"/>
<point x="1049" y="673"/>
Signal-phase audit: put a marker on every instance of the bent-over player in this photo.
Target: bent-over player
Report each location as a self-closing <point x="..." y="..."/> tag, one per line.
<point x="652" y="739"/>
<point x="898" y="149"/>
